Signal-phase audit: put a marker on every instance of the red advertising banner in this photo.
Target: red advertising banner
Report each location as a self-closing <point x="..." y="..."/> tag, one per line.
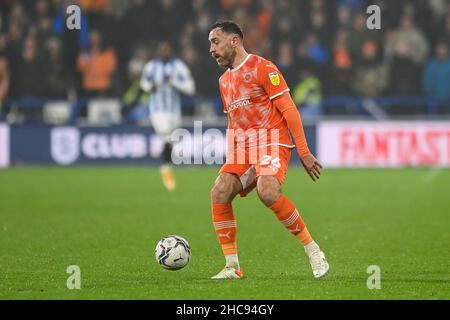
<point x="383" y="144"/>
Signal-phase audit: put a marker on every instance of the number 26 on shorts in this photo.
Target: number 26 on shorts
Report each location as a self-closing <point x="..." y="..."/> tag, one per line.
<point x="272" y="163"/>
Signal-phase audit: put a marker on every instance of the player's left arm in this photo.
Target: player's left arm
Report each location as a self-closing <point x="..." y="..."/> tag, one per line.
<point x="182" y="80"/>
<point x="293" y="119"/>
<point x="275" y="86"/>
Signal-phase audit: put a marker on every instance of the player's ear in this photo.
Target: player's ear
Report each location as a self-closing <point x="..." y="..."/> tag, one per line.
<point x="234" y="41"/>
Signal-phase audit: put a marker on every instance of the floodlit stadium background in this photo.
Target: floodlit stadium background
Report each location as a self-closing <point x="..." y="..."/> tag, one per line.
<point x="336" y="67"/>
<point x="79" y="177"/>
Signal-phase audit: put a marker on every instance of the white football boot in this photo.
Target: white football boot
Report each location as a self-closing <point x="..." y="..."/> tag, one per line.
<point x="168" y="177"/>
<point x="319" y="264"/>
<point x="229" y="273"/>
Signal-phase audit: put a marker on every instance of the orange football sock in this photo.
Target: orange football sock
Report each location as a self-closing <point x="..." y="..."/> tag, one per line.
<point x="225" y="226"/>
<point x="229" y="248"/>
<point x="304" y="236"/>
<point x="288" y="215"/>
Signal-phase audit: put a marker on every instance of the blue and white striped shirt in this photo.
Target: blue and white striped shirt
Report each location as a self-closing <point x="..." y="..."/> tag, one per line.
<point x="166" y="81"/>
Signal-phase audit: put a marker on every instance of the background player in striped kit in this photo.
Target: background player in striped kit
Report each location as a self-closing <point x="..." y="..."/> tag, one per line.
<point x="166" y="78"/>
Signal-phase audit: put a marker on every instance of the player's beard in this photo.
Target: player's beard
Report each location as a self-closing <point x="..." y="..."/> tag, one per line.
<point x="226" y="61"/>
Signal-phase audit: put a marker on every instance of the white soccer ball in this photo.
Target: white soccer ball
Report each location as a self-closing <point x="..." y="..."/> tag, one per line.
<point x="173" y="252"/>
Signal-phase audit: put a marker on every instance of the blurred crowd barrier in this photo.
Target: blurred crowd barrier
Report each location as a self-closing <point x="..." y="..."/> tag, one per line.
<point x="108" y="111"/>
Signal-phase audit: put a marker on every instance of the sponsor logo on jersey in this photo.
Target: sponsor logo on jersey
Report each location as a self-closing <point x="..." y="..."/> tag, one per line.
<point x="239" y="103"/>
<point x="274" y="78"/>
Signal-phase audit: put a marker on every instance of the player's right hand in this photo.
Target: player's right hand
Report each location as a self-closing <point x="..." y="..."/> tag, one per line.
<point x="312" y="166"/>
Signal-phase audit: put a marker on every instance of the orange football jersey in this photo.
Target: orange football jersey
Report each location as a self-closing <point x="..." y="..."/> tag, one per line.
<point x="247" y="92"/>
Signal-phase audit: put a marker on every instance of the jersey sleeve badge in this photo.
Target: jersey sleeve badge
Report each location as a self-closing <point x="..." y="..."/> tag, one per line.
<point x="274" y="78"/>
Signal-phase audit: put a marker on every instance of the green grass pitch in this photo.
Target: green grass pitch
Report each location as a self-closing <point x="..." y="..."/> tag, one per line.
<point x="107" y="220"/>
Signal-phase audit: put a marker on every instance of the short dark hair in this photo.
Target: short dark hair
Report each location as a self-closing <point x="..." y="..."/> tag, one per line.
<point x="229" y="27"/>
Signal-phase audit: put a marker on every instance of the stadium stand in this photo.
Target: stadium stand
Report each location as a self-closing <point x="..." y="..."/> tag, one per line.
<point x="332" y="62"/>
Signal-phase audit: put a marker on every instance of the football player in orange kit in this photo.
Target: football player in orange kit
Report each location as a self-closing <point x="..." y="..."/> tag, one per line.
<point x="260" y="114"/>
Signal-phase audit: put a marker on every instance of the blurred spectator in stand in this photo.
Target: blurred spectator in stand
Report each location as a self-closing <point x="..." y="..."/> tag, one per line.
<point x="436" y="79"/>
<point x="13" y="54"/>
<point x="283" y="30"/>
<point x="285" y="62"/>
<point x="254" y="40"/>
<point x="405" y="73"/>
<point x="17" y="15"/>
<point x="16" y="25"/>
<point x="344" y="17"/>
<point x="446" y="33"/>
<point x="264" y="16"/>
<point x="371" y="74"/>
<point x="307" y="95"/>
<point x="198" y="62"/>
<point x="230" y="6"/>
<point x="241" y="17"/>
<point x="285" y="25"/>
<point x="353" y="5"/>
<point x="190" y="57"/>
<point x="73" y="41"/>
<point x="93" y="10"/>
<point x="43" y="22"/>
<point x="41" y="12"/>
<point x="439" y="8"/>
<point x="97" y="67"/>
<point x="360" y="34"/>
<point x="341" y="68"/>
<point x="106" y="23"/>
<point x="56" y="82"/>
<point x="405" y="79"/>
<point x="201" y="24"/>
<point x="420" y="13"/>
<point x="43" y="32"/>
<point x="316" y="50"/>
<point x="253" y="37"/>
<point x="139" y="20"/>
<point x="390" y="13"/>
<point x="28" y="82"/>
<point x="135" y="100"/>
<point x="29" y="71"/>
<point x="187" y="36"/>
<point x="305" y="62"/>
<point x="169" y="21"/>
<point x="41" y="9"/>
<point x="93" y="5"/>
<point x="109" y="26"/>
<point x="319" y="25"/>
<point x="318" y="5"/>
<point x="202" y="83"/>
<point x="412" y="36"/>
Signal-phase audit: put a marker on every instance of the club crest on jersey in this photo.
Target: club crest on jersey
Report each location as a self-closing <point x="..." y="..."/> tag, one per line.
<point x="274" y="78"/>
<point x="247" y="77"/>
